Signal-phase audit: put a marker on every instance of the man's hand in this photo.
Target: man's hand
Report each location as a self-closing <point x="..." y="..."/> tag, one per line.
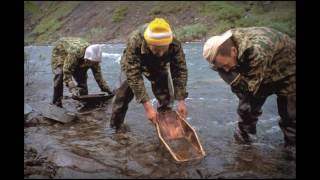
<point x="112" y="93"/>
<point x="151" y="113"/>
<point x="75" y="93"/>
<point x="182" y="108"/>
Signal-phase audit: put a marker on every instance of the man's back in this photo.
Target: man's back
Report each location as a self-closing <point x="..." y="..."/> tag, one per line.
<point x="275" y="49"/>
<point x="66" y="46"/>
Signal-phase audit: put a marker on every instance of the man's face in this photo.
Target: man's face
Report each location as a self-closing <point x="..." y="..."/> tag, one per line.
<point x="226" y="62"/>
<point x="158" y="51"/>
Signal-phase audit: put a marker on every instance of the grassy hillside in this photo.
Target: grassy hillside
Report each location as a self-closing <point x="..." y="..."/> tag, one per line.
<point x="45" y="22"/>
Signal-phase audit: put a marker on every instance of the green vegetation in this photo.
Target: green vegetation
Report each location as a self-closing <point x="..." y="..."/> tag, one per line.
<point x="225" y="15"/>
<point x="223" y="11"/>
<point x="190" y="32"/>
<point x="119" y="13"/>
<point x="278" y="15"/>
<point x="34" y="10"/>
<point x="95" y="34"/>
<point x="193" y="20"/>
<point x="163" y="9"/>
<point x="49" y="18"/>
<point x="31" y="7"/>
<point x="50" y="24"/>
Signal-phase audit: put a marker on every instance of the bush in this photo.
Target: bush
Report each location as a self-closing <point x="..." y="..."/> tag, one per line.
<point x="227" y="15"/>
<point x="119" y="13"/>
<point x="190" y="32"/>
<point x="31" y="8"/>
<point x="95" y="33"/>
<point x="222" y="11"/>
<point x="247" y="21"/>
<point x="285" y="27"/>
<point x="167" y="9"/>
<point x="53" y="21"/>
<point x="156" y="10"/>
<point x="221" y="27"/>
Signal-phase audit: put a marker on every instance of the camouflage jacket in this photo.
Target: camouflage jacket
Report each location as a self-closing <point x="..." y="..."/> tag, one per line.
<point x="68" y="54"/>
<point x="264" y="56"/>
<point x="137" y="59"/>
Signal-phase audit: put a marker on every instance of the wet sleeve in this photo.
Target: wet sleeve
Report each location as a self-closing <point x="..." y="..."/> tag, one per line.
<point x="69" y="67"/>
<point x="178" y="67"/>
<point x="97" y="73"/>
<point x="133" y="71"/>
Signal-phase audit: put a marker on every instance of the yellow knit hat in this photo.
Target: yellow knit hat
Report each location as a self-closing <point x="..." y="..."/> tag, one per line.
<point x="158" y="32"/>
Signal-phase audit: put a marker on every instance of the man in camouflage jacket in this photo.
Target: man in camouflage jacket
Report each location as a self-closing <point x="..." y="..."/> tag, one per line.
<point x="257" y="62"/>
<point x="68" y="60"/>
<point x="143" y="56"/>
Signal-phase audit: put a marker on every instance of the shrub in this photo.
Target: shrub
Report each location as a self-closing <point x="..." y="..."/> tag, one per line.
<point x="119" y="13"/>
<point x="190" y="32"/>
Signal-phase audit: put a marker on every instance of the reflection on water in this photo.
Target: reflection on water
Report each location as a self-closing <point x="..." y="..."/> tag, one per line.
<point x="88" y="148"/>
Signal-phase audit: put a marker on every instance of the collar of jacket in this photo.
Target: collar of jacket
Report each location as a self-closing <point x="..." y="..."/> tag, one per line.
<point x="243" y="51"/>
<point x="144" y="47"/>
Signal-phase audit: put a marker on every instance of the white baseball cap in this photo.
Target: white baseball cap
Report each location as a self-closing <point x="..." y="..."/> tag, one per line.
<point x="94" y="52"/>
<point x="212" y="45"/>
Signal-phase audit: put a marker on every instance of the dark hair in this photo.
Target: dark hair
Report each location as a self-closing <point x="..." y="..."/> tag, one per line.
<point x="225" y="48"/>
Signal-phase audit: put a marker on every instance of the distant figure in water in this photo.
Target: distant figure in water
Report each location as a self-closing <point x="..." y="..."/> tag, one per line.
<point x="257" y="62"/>
<point x="151" y="51"/>
<point x="72" y="57"/>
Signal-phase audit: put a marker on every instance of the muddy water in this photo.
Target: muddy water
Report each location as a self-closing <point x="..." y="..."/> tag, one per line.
<point x="88" y="148"/>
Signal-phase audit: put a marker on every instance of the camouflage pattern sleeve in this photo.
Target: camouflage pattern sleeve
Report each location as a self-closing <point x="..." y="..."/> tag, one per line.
<point x="133" y="69"/>
<point x="179" y="72"/>
<point x="69" y="67"/>
<point x="256" y="61"/>
<point x="96" y="71"/>
<point x="265" y="56"/>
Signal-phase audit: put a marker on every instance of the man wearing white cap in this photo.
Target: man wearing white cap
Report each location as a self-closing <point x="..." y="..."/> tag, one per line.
<point x="257" y="62"/>
<point x="72" y="57"/>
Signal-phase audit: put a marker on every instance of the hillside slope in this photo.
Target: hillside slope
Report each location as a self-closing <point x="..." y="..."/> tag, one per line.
<point x="45" y="22"/>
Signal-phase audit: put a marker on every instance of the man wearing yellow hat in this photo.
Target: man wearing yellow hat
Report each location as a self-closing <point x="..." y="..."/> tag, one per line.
<point x="257" y="62"/>
<point x="151" y="51"/>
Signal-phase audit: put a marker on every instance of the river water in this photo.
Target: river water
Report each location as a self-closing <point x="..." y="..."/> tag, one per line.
<point x="88" y="148"/>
